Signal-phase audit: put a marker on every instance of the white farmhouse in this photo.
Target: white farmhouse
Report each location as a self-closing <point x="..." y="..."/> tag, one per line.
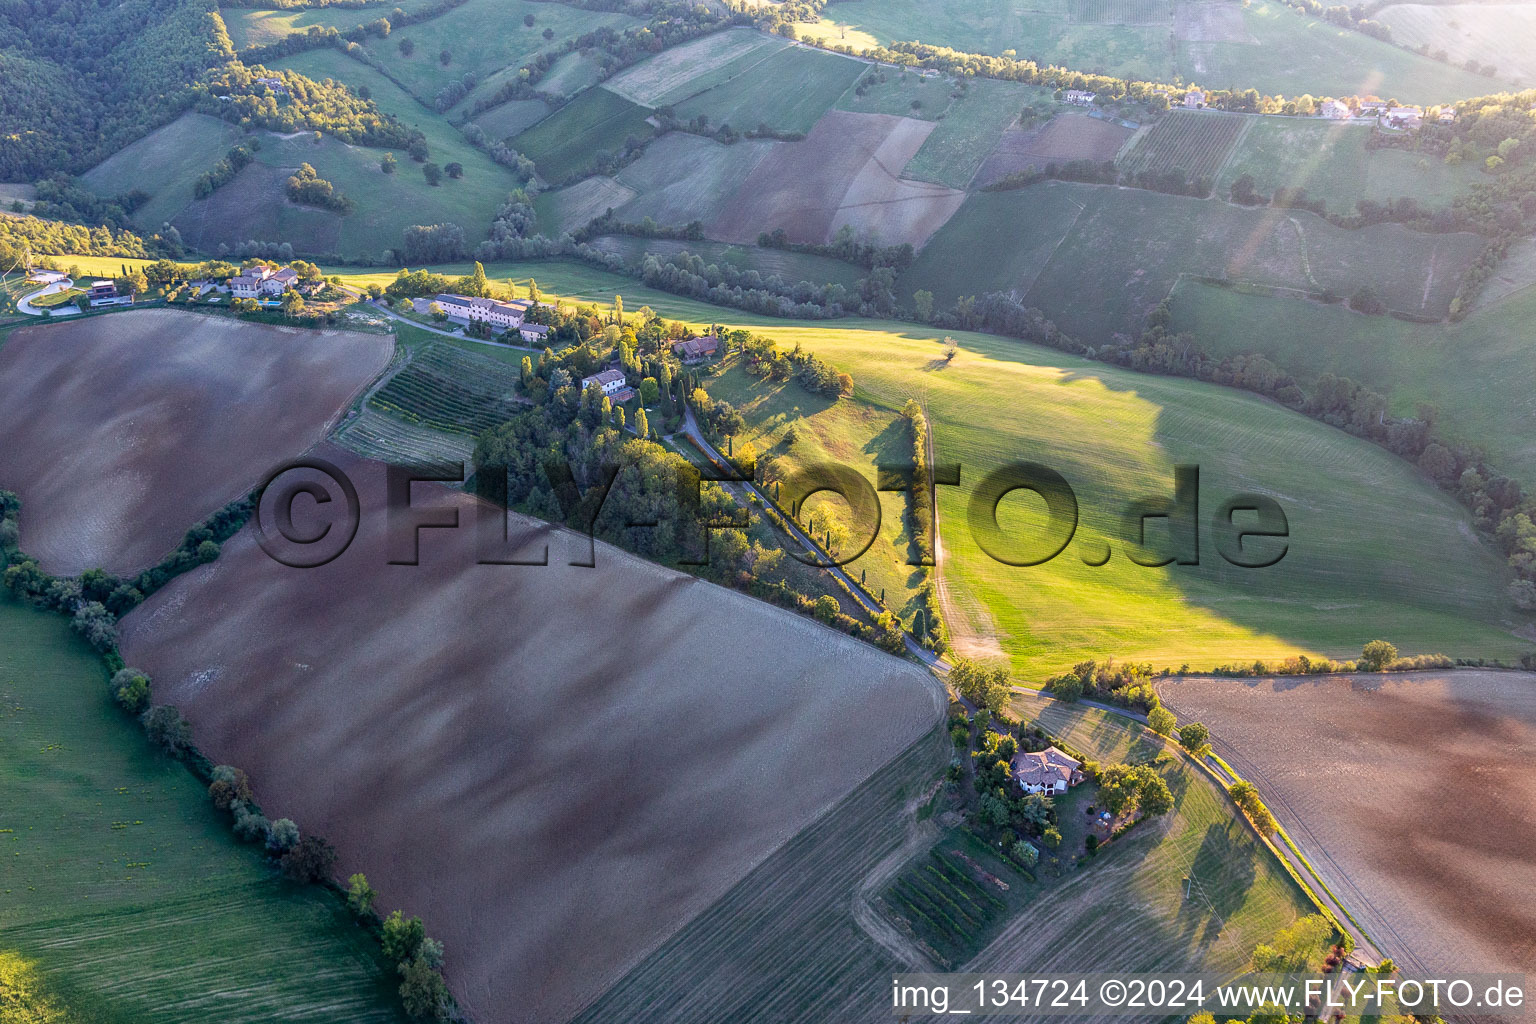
<point x="611" y="381"/>
<point x="1194" y="99"/>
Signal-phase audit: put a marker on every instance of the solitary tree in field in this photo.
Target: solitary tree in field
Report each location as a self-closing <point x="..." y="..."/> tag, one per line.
<point x="407" y="47"/>
<point x="433" y="173"/>
<point x="445" y="57"/>
<point x="528" y="20"/>
<point x="454" y="170"/>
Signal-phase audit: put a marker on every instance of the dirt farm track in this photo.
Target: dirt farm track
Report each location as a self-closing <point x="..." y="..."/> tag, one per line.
<point x="1412" y="795"/>
<point x="123" y="430"/>
<point x="556" y="767"/>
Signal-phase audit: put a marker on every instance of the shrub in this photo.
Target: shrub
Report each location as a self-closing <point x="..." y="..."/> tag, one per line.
<point x="167" y="730"/>
<point x="282" y="835"/>
<point x="229" y="786"/>
<point x="360" y="895"/>
<point x="402" y="936"/>
<point x="97" y="625"/>
<point x="130" y="688"/>
<point x="249" y="825"/>
<point x="310" y="861"/>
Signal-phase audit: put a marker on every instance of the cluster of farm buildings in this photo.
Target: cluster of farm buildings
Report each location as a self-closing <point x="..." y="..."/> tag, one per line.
<point x="1385" y="114"/>
<point x="615" y="385"/>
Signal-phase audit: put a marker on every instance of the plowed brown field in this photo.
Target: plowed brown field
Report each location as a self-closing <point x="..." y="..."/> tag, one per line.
<point x="1411" y="794"/>
<point x="121" y="431"/>
<point x="556" y="767"/>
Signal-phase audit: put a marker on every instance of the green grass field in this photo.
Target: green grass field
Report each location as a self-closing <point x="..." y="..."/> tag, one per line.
<point x="124" y="888"/>
<point x="758" y="95"/>
<point x="1462" y="369"/>
<point x="683" y="177"/>
<point x="512" y="118"/>
<point x="1330" y="161"/>
<point x="563" y="145"/>
<point x="165" y="163"/>
<point x="484" y="36"/>
<point x="1039" y="28"/>
<point x="1296" y="54"/>
<point x="970" y="127"/>
<point x="1127" y="248"/>
<point x="1503" y="35"/>
<point x="792" y="266"/>
<point x="1370" y="535"/>
<point x="1272" y="49"/>
<point x="254" y="27"/>
<point x="695" y="66"/>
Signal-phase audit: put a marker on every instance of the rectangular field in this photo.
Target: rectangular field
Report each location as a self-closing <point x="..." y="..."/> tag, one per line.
<point x="682" y="177"/>
<point x="844" y="172"/>
<point x="124" y="888"/>
<point x="1196" y="142"/>
<point x="968" y="128"/>
<point x="564" y="144"/>
<point x="1062" y="139"/>
<point x="693" y="67"/>
<point x="1120" y="12"/>
<point x="449" y="389"/>
<point x="1369" y="775"/>
<point x="555" y="767"/>
<point x="758" y="96"/>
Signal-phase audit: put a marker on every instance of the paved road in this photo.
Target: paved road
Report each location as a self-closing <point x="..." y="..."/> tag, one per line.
<point x="24" y="304"/>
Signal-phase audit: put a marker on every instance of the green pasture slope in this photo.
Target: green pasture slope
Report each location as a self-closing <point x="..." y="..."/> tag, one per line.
<point x="165" y="163"/>
<point x="123" y="886"/>
<point x="1126" y="248"/>
<point x="1466" y="371"/>
<point x="257" y="27"/>
<point x="791" y="266"/>
<point x="788" y="91"/>
<point x="484" y="36"/>
<point x="563" y="145"/>
<point x="1272" y="48"/>
<point x="1330" y="161"/>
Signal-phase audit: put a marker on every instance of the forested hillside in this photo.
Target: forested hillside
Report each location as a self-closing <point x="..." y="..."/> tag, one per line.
<point x="80" y="79"/>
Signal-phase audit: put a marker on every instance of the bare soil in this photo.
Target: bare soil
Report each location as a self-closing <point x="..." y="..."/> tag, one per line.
<point x="1064" y="138"/>
<point x="1411" y="794"/>
<point x="123" y="430"/>
<point x="556" y="767"/>
<point x="846" y="171"/>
